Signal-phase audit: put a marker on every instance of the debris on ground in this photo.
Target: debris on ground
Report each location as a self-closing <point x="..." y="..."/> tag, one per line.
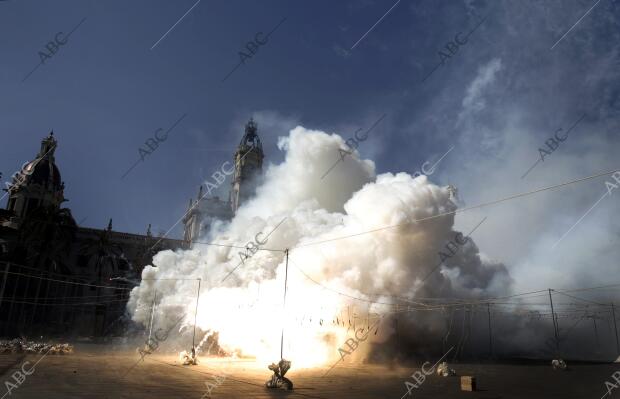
<point x="23" y="346"/>
<point x="558" y="364"/>
<point x="278" y="380"/>
<point x="188" y="358"/>
<point x="468" y="383"/>
<point x="445" y="371"/>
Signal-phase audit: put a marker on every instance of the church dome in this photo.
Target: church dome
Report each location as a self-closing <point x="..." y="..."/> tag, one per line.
<point x="44" y="171"/>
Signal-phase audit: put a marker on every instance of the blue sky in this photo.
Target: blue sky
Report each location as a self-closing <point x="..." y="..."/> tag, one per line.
<point x="494" y="101"/>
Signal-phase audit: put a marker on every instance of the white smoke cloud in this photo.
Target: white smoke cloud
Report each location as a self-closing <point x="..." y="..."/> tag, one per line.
<point x="246" y="309"/>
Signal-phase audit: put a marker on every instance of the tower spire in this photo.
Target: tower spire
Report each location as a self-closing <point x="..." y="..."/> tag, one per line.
<point x="248" y="165"/>
<point x="48" y="146"/>
<point x="250" y="137"/>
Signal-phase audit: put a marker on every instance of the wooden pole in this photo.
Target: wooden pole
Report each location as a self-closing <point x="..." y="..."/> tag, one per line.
<point x="152" y="315"/>
<point x="598" y="344"/>
<point x="471" y="337"/>
<point x="195" y="316"/>
<point x="36" y="302"/>
<point x="63" y="310"/>
<point x="284" y="305"/>
<point x="490" y="331"/>
<point x="16" y="286"/>
<point x="555" y="325"/>
<point x="6" y="271"/>
<point x="396" y="326"/>
<point x="613" y="313"/>
<point x="21" y="317"/>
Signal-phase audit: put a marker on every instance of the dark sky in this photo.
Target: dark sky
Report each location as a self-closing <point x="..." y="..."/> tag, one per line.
<point x="496" y="98"/>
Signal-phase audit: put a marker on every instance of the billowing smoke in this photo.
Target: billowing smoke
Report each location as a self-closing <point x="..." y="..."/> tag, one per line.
<point x="339" y="281"/>
<point x="497" y="113"/>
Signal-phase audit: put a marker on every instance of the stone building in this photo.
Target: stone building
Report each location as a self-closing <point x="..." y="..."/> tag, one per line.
<point x="57" y="277"/>
<point x="248" y="162"/>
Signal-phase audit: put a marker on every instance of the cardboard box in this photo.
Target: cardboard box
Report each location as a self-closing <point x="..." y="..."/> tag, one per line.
<point x="468" y="383"/>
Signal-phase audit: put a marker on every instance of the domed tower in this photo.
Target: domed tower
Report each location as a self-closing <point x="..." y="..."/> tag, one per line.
<point x="248" y="166"/>
<point x="38" y="183"/>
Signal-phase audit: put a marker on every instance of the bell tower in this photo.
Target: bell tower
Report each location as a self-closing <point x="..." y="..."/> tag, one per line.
<point x="248" y="166"/>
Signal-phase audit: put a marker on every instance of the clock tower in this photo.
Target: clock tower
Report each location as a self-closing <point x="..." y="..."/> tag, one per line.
<point x="248" y="166"/>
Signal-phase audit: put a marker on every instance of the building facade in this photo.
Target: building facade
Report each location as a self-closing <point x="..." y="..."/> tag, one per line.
<point x="57" y="277"/>
<point x="205" y="210"/>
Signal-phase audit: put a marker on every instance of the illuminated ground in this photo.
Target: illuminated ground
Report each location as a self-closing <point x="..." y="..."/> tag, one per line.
<point x="91" y="375"/>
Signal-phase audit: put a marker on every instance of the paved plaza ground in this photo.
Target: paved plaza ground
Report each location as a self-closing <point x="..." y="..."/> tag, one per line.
<point x="90" y="374"/>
